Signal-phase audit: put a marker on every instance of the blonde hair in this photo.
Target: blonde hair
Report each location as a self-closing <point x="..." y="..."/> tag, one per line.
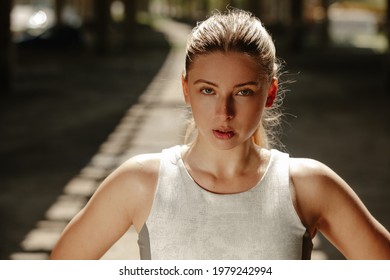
<point x="238" y="31"/>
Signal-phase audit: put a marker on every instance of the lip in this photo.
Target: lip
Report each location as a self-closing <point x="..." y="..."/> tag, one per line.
<point x="224" y="134"/>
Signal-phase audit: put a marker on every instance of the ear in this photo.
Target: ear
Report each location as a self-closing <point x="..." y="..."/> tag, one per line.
<point x="272" y="91"/>
<point x="184" y="84"/>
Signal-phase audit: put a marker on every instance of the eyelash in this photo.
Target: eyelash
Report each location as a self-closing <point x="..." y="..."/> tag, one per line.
<point x="243" y="92"/>
<point x="203" y="91"/>
<point x="246" y="92"/>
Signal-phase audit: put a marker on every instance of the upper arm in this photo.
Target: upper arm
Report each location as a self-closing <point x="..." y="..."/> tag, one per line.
<point x="329" y="204"/>
<point x="118" y="203"/>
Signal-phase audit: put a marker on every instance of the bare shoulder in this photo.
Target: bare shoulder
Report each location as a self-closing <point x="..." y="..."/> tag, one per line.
<point x="138" y="175"/>
<point x="325" y="202"/>
<point x="132" y="186"/>
<point x="309" y="169"/>
<point x="316" y="178"/>
<point x="135" y="174"/>
<point x="123" y="199"/>
<point x="312" y="179"/>
<point x="141" y="168"/>
<point x="318" y="186"/>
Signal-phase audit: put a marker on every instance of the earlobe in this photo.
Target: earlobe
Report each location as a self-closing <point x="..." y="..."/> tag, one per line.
<point x="184" y="84"/>
<point x="272" y="91"/>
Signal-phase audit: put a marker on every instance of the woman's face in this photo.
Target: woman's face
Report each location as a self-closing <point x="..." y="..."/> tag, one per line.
<point x="227" y="95"/>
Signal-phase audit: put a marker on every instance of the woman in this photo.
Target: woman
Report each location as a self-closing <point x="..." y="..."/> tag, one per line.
<point x="226" y="195"/>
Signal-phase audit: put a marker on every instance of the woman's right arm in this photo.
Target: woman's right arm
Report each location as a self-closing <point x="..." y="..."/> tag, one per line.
<point x="121" y="200"/>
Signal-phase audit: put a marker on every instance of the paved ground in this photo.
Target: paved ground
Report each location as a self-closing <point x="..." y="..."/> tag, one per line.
<point x="336" y="113"/>
<point x="64" y="105"/>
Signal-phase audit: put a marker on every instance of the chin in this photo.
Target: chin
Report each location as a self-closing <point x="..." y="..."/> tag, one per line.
<point x="225" y="145"/>
<point x="220" y="144"/>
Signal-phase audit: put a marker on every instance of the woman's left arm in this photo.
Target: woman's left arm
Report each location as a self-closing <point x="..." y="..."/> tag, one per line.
<point x="332" y="207"/>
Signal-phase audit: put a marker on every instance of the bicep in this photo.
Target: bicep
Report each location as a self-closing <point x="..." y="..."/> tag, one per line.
<point x="104" y="219"/>
<point x="338" y="212"/>
<point x="347" y="223"/>
<point x="86" y="238"/>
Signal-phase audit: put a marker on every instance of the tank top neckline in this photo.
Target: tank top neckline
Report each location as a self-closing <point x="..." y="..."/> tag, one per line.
<point x="182" y="166"/>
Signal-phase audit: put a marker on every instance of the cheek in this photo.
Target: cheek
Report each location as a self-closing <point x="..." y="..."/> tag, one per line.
<point x="251" y="115"/>
<point x="201" y="110"/>
<point x="250" y="108"/>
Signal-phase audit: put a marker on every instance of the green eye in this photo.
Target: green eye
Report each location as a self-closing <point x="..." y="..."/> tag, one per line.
<point x="245" y="92"/>
<point x="207" y="91"/>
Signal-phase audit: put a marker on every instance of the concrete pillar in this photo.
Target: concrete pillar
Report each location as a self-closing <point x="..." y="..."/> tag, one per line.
<point x="59" y="6"/>
<point x="130" y="13"/>
<point x="387" y="66"/>
<point x="297" y="32"/>
<point x="5" y="46"/>
<point x="254" y="6"/>
<point x="325" y="38"/>
<point x="102" y="23"/>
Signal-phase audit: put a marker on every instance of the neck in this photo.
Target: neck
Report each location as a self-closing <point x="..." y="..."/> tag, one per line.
<point x="222" y="163"/>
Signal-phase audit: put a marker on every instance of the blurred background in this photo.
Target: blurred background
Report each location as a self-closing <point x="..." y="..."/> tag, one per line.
<point x="69" y="70"/>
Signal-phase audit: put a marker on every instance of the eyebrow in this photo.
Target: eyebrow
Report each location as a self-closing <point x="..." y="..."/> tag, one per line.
<point x="215" y="85"/>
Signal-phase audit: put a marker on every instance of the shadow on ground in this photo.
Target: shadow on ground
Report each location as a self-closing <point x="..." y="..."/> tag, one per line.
<point x="63" y="105"/>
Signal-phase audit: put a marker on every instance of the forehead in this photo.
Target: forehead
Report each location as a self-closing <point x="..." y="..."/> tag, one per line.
<point x="229" y="65"/>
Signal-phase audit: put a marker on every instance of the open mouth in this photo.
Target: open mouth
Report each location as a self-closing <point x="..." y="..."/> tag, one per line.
<point x="223" y="134"/>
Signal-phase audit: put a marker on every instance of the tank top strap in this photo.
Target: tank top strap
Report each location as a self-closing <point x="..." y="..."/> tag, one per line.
<point x="277" y="174"/>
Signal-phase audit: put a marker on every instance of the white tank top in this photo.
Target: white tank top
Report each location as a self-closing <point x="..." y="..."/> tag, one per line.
<point x="189" y="222"/>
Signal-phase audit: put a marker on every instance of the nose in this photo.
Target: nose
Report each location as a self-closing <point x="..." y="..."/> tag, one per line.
<point x="225" y="108"/>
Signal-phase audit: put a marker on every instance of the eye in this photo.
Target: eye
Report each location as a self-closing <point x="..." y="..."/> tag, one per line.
<point x="245" y="92"/>
<point x="207" y="91"/>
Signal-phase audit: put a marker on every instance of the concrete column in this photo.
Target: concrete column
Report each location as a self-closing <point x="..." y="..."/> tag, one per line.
<point x="130" y="13"/>
<point x="5" y="46"/>
<point x="297" y="32"/>
<point x="387" y="66"/>
<point x="325" y="39"/>
<point x="102" y="23"/>
<point x="59" y="6"/>
<point x="254" y="6"/>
